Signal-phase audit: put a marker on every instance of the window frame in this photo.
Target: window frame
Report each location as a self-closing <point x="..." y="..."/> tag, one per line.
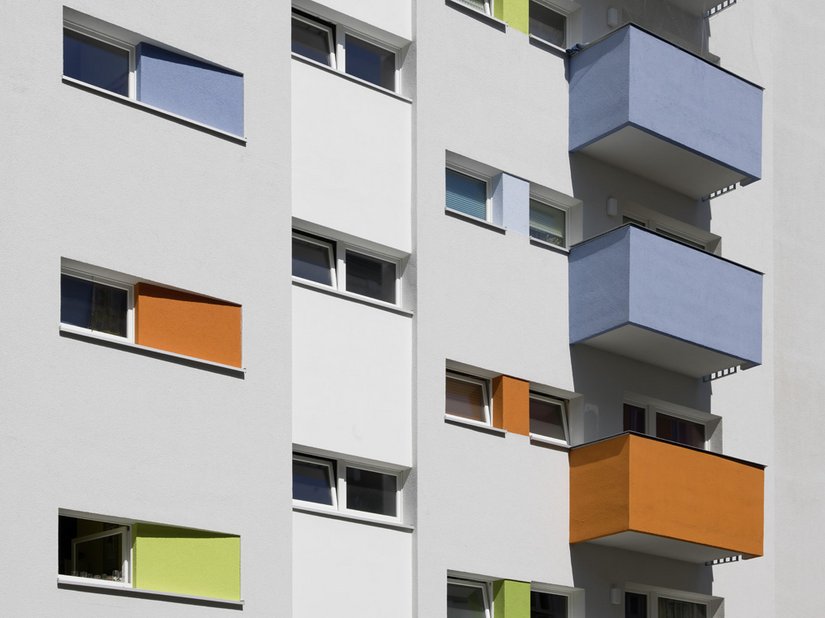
<point x="653" y="595"/>
<point x="555" y="9"/>
<point x="652" y="409"/>
<point x="544" y="201"/>
<point x="337" y="467"/>
<point x="123" y="529"/>
<point x="332" y="256"/>
<point x="671" y="228"/>
<point x="341" y="51"/>
<point x="128" y="286"/>
<point x="565" y="424"/>
<point x="486" y="393"/>
<point x="329" y="28"/>
<point x="475" y="175"/>
<point x="112" y="41"/>
<point x="484" y="586"/>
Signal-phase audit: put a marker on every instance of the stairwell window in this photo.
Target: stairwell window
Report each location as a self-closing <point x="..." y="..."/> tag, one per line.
<point x="548" y="223"/>
<point x="313" y="39"/>
<point x="547" y="24"/>
<point x="468" y="599"/>
<point x="369" y="62"/>
<point x="468" y="194"/>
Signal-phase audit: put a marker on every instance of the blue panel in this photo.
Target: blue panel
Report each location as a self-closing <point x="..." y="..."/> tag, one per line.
<point x="599" y="285"/>
<point x="196" y="90"/>
<point x="632" y="77"/>
<point x="466" y="194"/>
<point x="95" y="62"/>
<point x="511" y="203"/>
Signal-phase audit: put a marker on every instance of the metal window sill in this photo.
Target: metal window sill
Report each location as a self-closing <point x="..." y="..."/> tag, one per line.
<point x="479" y="15"/>
<point x="352" y="78"/>
<point x="479" y="222"/>
<point x="75" y="583"/>
<point x="465" y="422"/>
<point x="352" y="517"/>
<point x="364" y="300"/>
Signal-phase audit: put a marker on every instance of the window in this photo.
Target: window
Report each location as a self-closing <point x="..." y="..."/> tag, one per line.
<point x="548" y="418"/>
<point x="483" y="6"/>
<point x="103" y="552"/>
<point x="467" y="397"/>
<point x="124" y="63"/>
<point x="107" y="64"/>
<point x="347" y="487"/>
<point x="653" y="421"/>
<point x="338" y="48"/>
<point x="548" y="224"/>
<point x="467" y="599"/>
<point x="548" y="25"/>
<point x="671" y="228"/>
<point x="105" y="304"/>
<point x="547" y="605"/>
<point x="467" y="194"/>
<point x="337" y="265"/>
<point x="656" y="605"/>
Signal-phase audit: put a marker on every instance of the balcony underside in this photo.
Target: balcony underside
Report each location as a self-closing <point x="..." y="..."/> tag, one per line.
<point x="662" y="546"/>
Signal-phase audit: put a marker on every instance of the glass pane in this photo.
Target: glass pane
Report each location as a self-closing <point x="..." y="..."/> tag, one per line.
<point x="466" y="194"/>
<point x="547" y="223"/>
<point x="680" y="430"/>
<point x="479" y="5"/>
<point x="546" y="418"/>
<point x="311" y="261"/>
<point x="371" y="63"/>
<point x="635" y="605"/>
<point x="671" y="608"/>
<point x="546" y="605"/>
<point x="465" y="602"/>
<point x="681" y="239"/>
<point x="372" y="492"/>
<point x="95" y="62"/>
<point x="100" y="558"/>
<point x="634" y="418"/>
<point x="93" y="305"/>
<point x="311" y="482"/>
<point x="311" y="41"/>
<point x="370" y="277"/>
<point x="547" y="25"/>
<point x="466" y="399"/>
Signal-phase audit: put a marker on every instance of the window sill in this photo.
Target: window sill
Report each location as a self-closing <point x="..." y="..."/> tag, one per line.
<point x="561" y="52"/>
<point x="77" y="583"/>
<point x="351" y="517"/>
<point x="364" y="300"/>
<point x="123" y="344"/>
<point x="465" y="422"/>
<point x="539" y="439"/>
<point x="70" y="81"/>
<point x="351" y="78"/>
<point x="475" y="13"/>
<point x="549" y="246"/>
<point x="479" y="222"/>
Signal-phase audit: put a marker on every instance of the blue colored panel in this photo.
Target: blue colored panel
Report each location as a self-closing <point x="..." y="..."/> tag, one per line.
<point x="95" y="62"/>
<point x="466" y="194"/>
<point x="511" y="203"/>
<point x="202" y="92"/>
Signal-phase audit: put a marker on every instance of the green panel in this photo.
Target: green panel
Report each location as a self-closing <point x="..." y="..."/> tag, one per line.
<point x="511" y="599"/>
<point x="183" y="561"/>
<point x="515" y="12"/>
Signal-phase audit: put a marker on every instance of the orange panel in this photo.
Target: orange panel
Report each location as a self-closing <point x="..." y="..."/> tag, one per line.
<point x="188" y="324"/>
<point x="639" y="484"/>
<point x="511" y="404"/>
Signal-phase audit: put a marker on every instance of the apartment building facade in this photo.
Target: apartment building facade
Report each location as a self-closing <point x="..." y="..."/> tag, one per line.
<point x="410" y="308"/>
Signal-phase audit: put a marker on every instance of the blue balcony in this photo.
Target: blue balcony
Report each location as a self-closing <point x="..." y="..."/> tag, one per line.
<point x="644" y="296"/>
<point x="645" y="105"/>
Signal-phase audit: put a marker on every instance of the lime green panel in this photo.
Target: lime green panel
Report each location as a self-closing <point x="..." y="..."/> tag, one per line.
<point x="511" y="599"/>
<point x="515" y="12"/>
<point x="193" y="562"/>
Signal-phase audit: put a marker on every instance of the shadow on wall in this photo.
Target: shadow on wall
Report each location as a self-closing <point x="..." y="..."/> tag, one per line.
<point x="597" y="569"/>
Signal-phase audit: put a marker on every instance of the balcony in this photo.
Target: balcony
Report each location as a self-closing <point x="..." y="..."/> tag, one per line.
<point x="647" y="106"/>
<point x="641" y="295"/>
<point x="643" y="494"/>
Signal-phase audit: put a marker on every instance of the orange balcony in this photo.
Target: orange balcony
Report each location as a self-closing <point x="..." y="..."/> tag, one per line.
<point x="643" y="494"/>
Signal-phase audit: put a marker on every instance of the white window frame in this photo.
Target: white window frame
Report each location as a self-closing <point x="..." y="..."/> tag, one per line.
<point x="341" y="50"/>
<point x="328" y="28"/>
<point x="337" y="470"/>
<point x="91" y="275"/>
<point x="482" y="585"/>
<point x="544" y="201"/>
<point x="712" y="604"/>
<point x="112" y="41"/>
<point x="331" y="480"/>
<point x="338" y="259"/>
<point x="485" y="393"/>
<point x="126" y="552"/>
<point x="476" y="175"/>
<point x="555" y="8"/>
<point x="652" y="408"/>
<point x="542" y="438"/>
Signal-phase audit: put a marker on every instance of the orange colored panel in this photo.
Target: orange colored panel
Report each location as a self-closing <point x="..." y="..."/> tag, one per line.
<point x="599" y="489"/>
<point x="188" y="324"/>
<point x="511" y="405"/>
<point x="695" y="496"/>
